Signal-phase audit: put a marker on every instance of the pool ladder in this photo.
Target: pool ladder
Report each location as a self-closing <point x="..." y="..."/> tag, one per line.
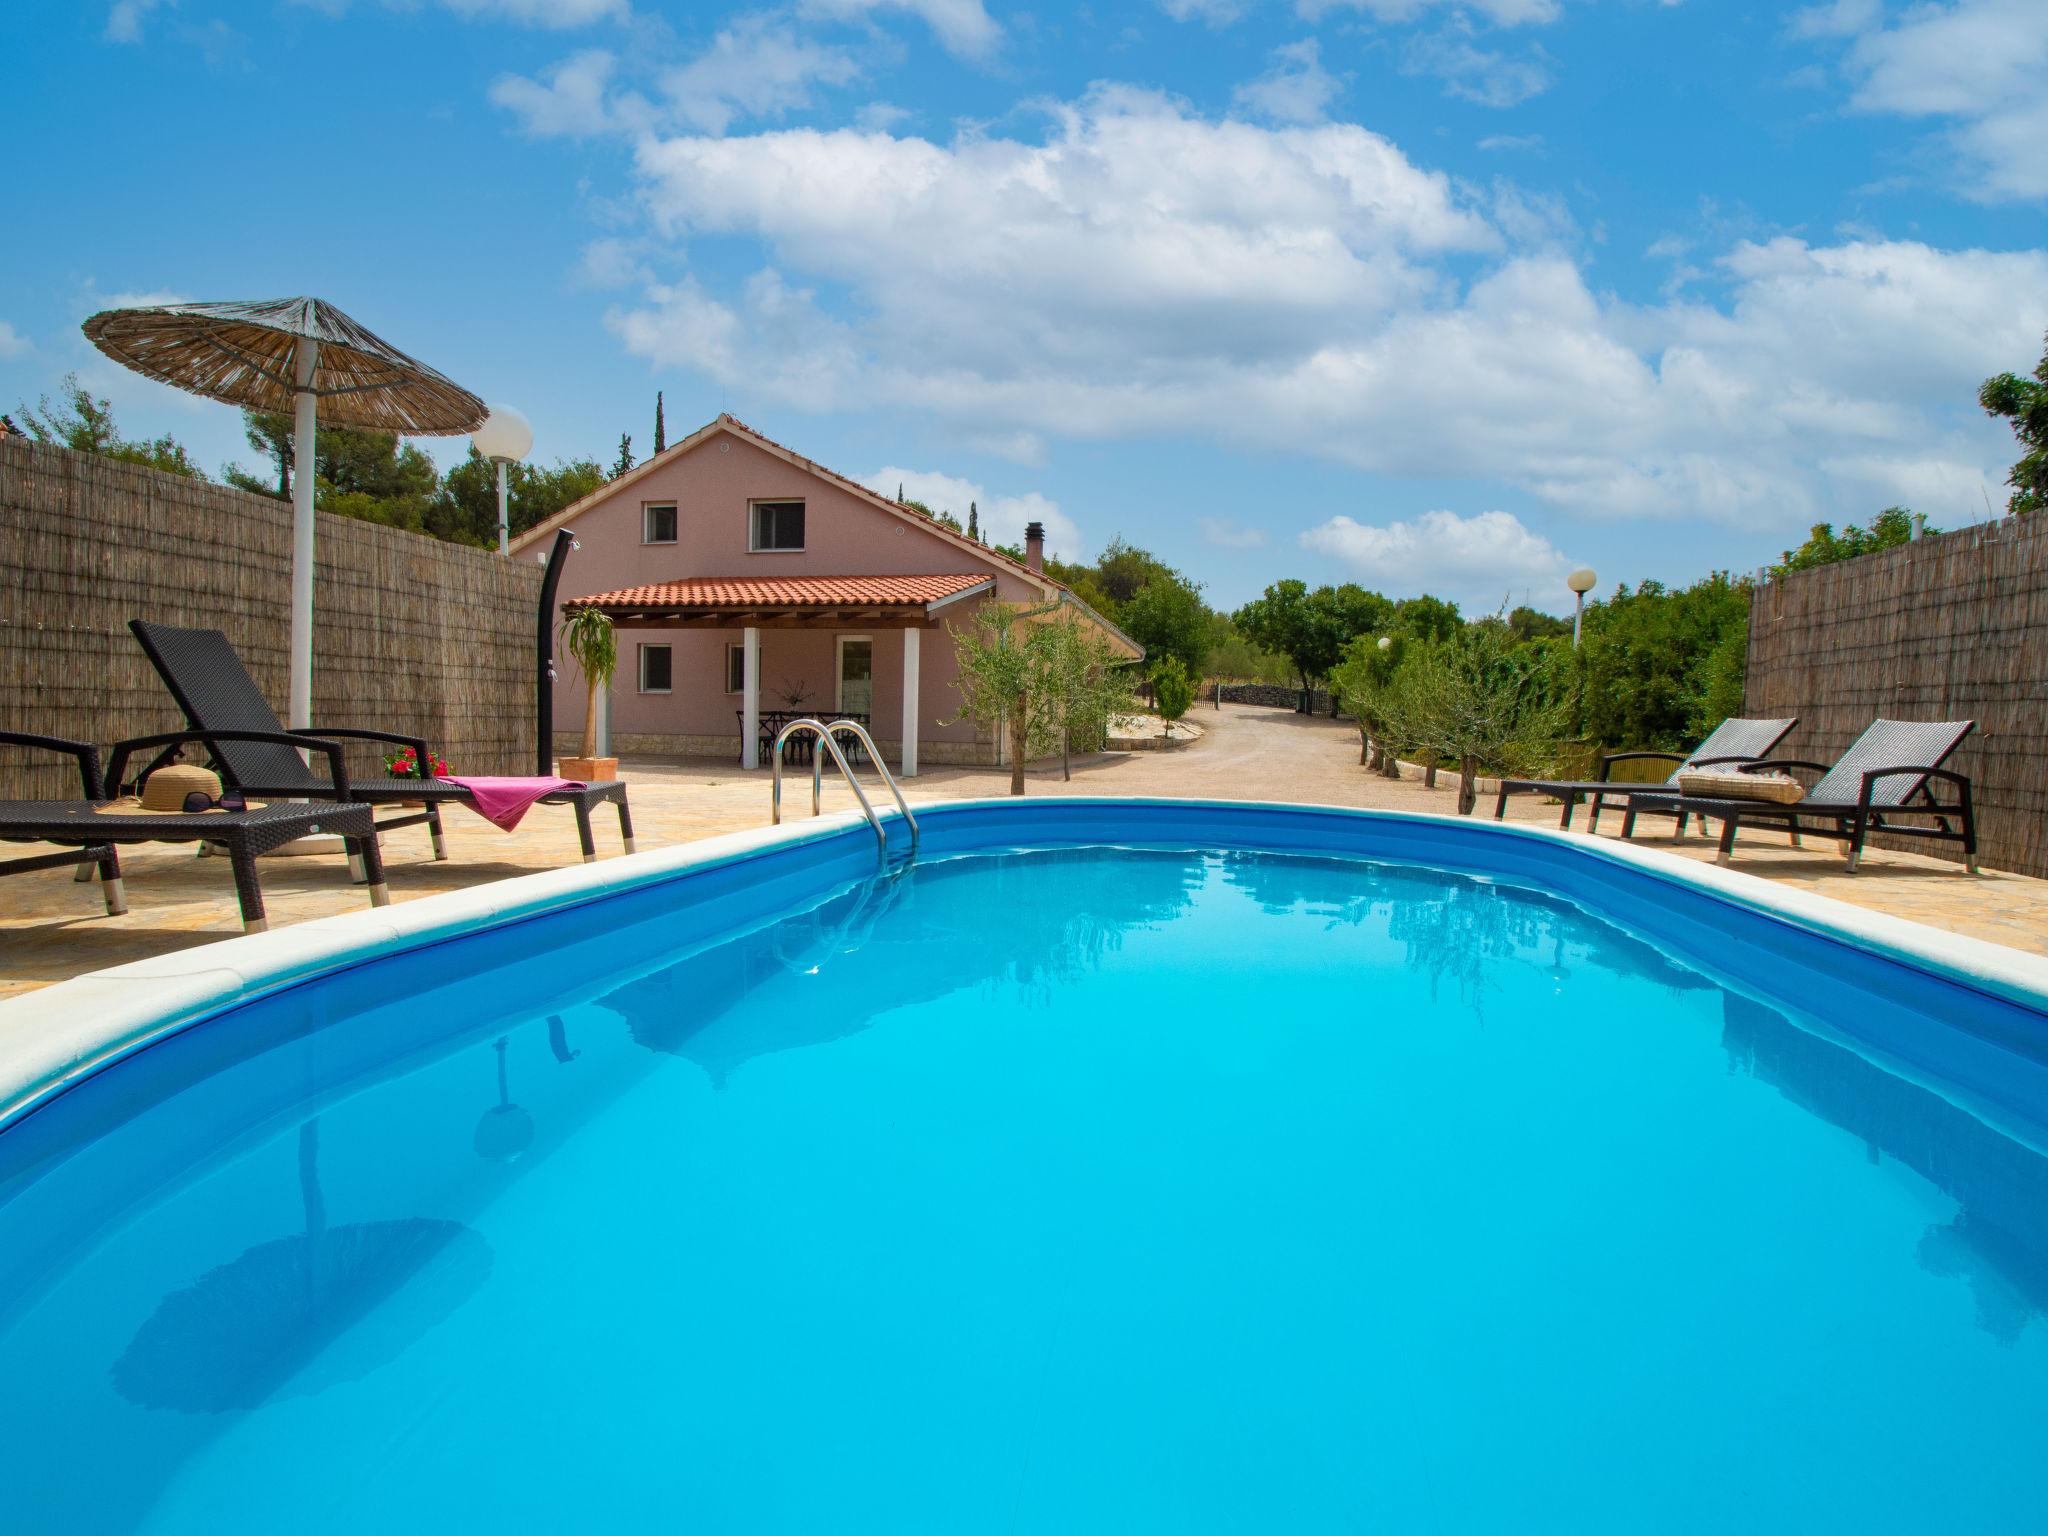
<point x="826" y="734"/>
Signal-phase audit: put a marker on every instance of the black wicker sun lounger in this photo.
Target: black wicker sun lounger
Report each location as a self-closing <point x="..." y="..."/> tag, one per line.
<point x="91" y="833"/>
<point x="1732" y="741"/>
<point x="217" y="693"/>
<point x="1885" y="775"/>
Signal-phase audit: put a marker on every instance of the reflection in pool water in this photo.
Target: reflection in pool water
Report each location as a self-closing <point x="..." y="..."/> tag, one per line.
<point x="1046" y="1191"/>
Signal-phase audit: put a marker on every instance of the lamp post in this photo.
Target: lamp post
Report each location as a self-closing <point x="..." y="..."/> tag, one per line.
<point x="1581" y="582"/>
<point x="504" y="438"/>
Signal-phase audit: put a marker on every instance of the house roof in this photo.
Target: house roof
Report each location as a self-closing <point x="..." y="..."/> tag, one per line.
<point x="995" y="559"/>
<point x="791" y="592"/>
<point x="787" y="601"/>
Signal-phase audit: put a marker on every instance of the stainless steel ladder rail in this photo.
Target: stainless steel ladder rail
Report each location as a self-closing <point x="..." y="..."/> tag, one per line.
<point x="826" y="734"/>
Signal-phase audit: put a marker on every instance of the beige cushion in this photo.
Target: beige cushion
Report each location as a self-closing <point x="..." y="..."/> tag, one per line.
<point x="1726" y="784"/>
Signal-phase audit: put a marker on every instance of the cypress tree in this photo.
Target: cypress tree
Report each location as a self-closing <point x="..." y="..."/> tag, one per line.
<point x="974" y="522"/>
<point x="660" y="427"/>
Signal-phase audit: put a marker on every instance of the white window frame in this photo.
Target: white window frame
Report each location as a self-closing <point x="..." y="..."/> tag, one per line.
<point x="754" y="505"/>
<point x="735" y="663"/>
<point x="647" y="510"/>
<point x="839" y="672"/>
<point x="640" y="665"/>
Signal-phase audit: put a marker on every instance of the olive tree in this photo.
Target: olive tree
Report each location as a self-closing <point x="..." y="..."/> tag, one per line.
<point x="1474" y="698"/>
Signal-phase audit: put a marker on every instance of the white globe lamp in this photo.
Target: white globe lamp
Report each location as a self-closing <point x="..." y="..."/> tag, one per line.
<point x="505" y="438"/>
<point x="1581" y="581"/>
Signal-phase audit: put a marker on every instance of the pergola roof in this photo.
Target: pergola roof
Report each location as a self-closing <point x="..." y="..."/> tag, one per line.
<point x="789" y="600"/>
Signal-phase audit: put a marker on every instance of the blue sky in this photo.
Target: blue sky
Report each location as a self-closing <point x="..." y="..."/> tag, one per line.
<point x="1427" y="295"/>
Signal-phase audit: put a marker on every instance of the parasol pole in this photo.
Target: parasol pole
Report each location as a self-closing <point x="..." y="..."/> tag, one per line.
<point x="307" y="357"/>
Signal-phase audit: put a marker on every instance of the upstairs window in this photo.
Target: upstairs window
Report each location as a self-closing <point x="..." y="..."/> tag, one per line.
<point x="778" y="526"/>
<point x="658" y="523"/>
<point x="657" y="668"/>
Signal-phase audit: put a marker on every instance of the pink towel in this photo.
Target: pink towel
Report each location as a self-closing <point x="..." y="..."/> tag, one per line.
<point x="502" y="802"/>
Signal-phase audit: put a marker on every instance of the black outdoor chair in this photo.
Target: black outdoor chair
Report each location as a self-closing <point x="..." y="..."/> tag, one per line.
<point x="246" y="835"/>
<point x="217" y="694"/>
<point x="1732" y="741"/>
<point x="1885" y="775"/>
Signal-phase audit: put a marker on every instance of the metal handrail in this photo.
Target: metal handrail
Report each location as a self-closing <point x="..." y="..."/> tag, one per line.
<point x="826" y="734"/>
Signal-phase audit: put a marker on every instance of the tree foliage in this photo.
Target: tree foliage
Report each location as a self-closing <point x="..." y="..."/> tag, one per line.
<point x="1044" y="684"/>
<point x="2024" y="403"/>
<point x="592" y="643"/>
<point x="1889" y="529"/>
<point x="1172" y="690"/>
<point x="1663" y="667"/>
<point x="1480" y="699"/>
<point x="1312" y="628"/>
<point x="376" y="477"/>
<point x="84" y="422"/>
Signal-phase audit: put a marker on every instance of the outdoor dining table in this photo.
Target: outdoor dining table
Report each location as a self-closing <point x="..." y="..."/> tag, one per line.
<point x="799" y="749"/>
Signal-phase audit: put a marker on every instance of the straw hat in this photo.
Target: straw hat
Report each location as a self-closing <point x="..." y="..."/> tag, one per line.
<point x="166" y="789"/>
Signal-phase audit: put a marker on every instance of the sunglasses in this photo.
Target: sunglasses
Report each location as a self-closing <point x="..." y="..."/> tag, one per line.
<point x="230" y="800"/>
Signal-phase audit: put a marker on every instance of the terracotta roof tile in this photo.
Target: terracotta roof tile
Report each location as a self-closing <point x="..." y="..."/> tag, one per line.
<point x="712" y="592"/>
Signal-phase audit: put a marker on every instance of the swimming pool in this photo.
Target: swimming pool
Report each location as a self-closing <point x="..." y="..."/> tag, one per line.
<point x="1115" y="1166"/>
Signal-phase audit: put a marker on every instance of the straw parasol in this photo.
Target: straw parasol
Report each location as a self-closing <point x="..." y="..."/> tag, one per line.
<point x="298" y="355"/>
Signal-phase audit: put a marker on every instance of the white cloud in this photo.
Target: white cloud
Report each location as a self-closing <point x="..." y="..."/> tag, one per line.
<point x="557" y="15"/>
<point x="542" y="13"/>
<point x="757" y="67"/>
<point x="1297" y="89"/>
<point x="1026" y="448"/>
<point x="1483" y="76"/>
<point x="124" y="20"/>
<point x="1474" y="561"/>
<point x="13" y="343"/>
<point x="1976" y="63"/>
<point x="140" y="298"/>
<point x="1002" y="517"/>
<point x="881" y="116"/>
<point x="1146" y="272"/>
<point x="1835" y="18"/>
<point x="612" y="263"/>
<point x="1503" y="141"/>
<point x="570" y="103"/>
<point x="1502" y="13"/>
<point x="1217" y="13"/>
<point x="1228" y="535"/>
<point x="964" y="26"/>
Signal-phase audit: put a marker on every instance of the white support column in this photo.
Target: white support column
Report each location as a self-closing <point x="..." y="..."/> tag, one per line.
<point x="750" y="724"/>
<point x="305" y="424"/>
<point x="912" y="649"/>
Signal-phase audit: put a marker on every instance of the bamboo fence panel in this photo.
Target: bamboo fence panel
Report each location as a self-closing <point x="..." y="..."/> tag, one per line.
<point x="1953" y="626"/>
<point x="410" y="634"/>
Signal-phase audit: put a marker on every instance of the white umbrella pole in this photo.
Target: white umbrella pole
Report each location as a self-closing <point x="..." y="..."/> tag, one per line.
<point x="504" y="514"/>
<point x="304" y="425"/>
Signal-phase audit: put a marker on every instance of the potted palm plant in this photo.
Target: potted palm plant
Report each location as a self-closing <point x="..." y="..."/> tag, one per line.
<point x="588" y="638"/>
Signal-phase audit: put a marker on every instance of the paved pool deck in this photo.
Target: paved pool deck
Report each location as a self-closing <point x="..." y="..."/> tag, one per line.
<point x="52" y="928"/>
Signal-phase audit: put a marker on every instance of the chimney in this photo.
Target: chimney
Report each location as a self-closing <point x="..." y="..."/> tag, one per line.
<point x="1034" y="546"/>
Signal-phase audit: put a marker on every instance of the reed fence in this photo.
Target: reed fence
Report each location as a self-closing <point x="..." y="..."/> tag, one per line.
<point x="1953" y="626"/>
<point x="410" y="633"/>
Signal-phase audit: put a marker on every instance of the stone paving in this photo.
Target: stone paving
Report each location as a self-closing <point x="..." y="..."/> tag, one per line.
<point x="51" y="928"/>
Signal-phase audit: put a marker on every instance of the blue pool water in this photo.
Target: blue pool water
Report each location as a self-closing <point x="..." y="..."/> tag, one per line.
<point x="1052" y="1191"/>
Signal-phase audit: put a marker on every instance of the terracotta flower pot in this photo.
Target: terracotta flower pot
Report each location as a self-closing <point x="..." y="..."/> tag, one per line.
<point x="590" y="770"/>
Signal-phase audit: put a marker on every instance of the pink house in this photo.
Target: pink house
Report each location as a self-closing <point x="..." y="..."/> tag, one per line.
<point x="750" y="585"/>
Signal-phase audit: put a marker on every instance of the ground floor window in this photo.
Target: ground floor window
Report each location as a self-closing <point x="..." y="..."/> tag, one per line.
<point x="657" y="668"/>
<point x="735" y="668"/>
